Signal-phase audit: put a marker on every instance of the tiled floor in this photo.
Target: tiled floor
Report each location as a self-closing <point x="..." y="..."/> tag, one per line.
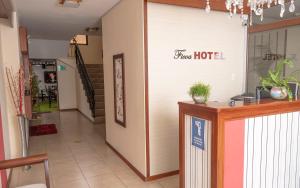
<point x="79" y="158"/>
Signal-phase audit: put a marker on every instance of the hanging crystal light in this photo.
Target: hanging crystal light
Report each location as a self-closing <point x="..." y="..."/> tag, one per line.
<point x="292" y="6"/>
<point x="207" y="8"/>
<point x="256" y="6"/>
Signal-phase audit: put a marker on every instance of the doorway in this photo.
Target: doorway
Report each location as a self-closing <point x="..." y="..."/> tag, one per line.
<point x="44" y="85"/>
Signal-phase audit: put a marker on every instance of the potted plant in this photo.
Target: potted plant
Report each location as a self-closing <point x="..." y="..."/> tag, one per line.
<point x="277" y="82"/>
<point x="34" y="88"/>
<point x="200" y="92"/>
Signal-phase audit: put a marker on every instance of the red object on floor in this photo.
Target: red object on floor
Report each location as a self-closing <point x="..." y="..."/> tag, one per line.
<point x="44" y="129"/>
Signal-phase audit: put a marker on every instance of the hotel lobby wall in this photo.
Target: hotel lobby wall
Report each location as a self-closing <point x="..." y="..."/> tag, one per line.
<point x="123" y="33"/>
<point x="9" y="57"/>
<point x="92" y="53"/>
<point x="48" y="49"/>
<point x="277" y="42"/>
<point x="173" y="28"/>
<point x="67" y="85"/>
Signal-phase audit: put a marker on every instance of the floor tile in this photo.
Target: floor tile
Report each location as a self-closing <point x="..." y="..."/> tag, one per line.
<point x="105" y="181"/>
<point x="79" y="158"/>
<point x="73" y="184"/>
<point x="170" y="182"/>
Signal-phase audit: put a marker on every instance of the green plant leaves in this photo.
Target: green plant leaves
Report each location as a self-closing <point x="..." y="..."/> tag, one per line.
<point x="200" y="89"/>
<point x="275" y="77"/>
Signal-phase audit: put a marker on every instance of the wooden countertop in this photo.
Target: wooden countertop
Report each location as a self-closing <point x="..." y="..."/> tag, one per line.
<point x="242" y="110"/>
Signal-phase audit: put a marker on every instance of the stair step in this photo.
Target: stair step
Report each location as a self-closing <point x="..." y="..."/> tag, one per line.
<point x="99" y="112"/>
<point x="99" y="105"/>
<point x="99" y="120"/>
<point x="98" y="85"/>
<point x="97" y="80"/>
<point x="99" y="91"/>
<point x="94" y="70"/>
<point x="93" y="65"/>
<point x="95" y="75"/>
<point x="99" y="98"/>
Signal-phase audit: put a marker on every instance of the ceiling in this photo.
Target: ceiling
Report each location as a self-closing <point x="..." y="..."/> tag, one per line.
<point x="272" y="14"/>
<point x="45" y="19"/>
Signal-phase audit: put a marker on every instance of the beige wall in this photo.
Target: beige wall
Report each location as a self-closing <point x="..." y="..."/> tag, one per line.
<point x="67" y="84"/>
<point x="92" y="53"/>
<point x="71" y="91"/>
<point x="171" y="28"/>
<point x="123" y="33"/>
<point x="9" y="57"/>
<point x="3" y="105"/>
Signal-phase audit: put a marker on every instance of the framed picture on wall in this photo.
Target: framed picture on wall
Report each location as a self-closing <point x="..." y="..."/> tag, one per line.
<point x="119" y="89"/>
<point x="50" y="77"/>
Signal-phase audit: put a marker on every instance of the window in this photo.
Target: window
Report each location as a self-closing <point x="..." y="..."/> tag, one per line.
<point x="80" y="39"/>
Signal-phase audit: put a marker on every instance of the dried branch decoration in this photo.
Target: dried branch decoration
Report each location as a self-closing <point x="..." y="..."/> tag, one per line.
<point x="16" y="88"/>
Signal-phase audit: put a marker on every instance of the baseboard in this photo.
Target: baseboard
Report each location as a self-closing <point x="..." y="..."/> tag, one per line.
<point x="66" y="110"/>
<point x="144" y="178"/>
<point x="127" y="162"/>
<point x="91" y="120"/>
<point x="163" y="175"/>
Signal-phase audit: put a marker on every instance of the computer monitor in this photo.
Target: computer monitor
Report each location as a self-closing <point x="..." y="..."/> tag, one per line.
<point x="294" y="87"/>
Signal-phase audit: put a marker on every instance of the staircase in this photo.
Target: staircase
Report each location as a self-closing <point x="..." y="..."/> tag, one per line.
<point x="93" y="83"/>
<point x="95" y="72"/>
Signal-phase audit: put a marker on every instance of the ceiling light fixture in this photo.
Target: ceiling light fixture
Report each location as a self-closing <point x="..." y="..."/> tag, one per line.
<point x="256" y="6"/>
<point x="70" y="3"/>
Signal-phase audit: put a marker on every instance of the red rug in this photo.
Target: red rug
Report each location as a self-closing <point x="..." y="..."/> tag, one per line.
<point x="44" y="129"/>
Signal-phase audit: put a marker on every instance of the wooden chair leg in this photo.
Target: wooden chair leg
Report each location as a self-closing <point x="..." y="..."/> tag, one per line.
<point x="46" y="166"/>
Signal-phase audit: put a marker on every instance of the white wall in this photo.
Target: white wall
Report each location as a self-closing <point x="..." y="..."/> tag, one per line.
<point x="48" y="49"/>
<point x="81" y="98"/>
<point x="9" y="57"/>
<point x="173" y="27"/>
<point x="3" y="103"/>
<point x="67" y="84"/>
<point x="123" y="33"/>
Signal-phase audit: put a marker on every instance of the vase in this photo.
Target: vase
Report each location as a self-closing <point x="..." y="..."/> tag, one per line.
<point x="199" y="99"/>
<point x="279" y="93"/>
<point x="22" y="124"/>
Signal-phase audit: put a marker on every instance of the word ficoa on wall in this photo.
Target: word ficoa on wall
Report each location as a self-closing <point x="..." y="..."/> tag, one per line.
<point x="198" y="55"/>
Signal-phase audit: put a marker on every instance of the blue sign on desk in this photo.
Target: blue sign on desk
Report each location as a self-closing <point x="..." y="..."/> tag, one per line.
<point x="198" y="129"/>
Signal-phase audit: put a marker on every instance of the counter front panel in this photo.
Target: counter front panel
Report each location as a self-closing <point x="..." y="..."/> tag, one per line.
<point x="254" y="150"/>
<point x="272" y="151"/>
<point x="198" y="161"/>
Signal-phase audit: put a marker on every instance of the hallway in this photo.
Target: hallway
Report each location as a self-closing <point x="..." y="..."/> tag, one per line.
<point x="79" y="158"/>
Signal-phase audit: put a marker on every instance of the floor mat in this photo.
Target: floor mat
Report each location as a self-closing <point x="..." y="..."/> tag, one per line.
<point x="44" y="129"/>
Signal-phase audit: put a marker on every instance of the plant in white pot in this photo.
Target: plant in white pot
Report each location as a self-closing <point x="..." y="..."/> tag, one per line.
<point x="200" y="92"/>
<point x="278" y="83"/>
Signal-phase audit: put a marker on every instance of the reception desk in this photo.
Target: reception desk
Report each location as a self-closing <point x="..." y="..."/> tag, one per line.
<point x="245" y="146"/>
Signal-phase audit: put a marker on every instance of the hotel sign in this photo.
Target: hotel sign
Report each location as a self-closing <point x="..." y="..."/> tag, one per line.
<point x="182" y="54"/>
<point x="198" y="130"/>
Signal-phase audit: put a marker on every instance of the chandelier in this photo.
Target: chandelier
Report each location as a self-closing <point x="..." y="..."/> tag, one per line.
<point x="256" y="7"/>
